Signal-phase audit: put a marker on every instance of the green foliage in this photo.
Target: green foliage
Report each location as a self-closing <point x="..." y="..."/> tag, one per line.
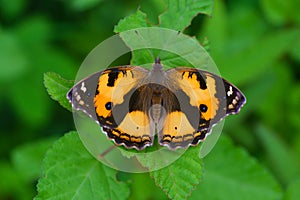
<point x="231" y="172"/>
<point x="282" y="12"/>
<point x="293" y="191"/>
<point x="255" y="44"/>
<point x="70" y="172"/>
<point x="27" y="159"/>
<point x="275" y="149"/>
<point x="183" y="11"/>
<point x="17" y="178"/>
<point x="173" y="178"/>
<point x="81" y="5"/>
<point x="136" y="20"/>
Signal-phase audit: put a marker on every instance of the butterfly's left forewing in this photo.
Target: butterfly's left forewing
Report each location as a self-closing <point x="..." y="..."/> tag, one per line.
<point x="115" y="98"/>
<point x="82" y="94"/>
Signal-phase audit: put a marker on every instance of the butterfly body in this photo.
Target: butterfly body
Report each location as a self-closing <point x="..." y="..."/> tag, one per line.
<point x="132" y="104"/>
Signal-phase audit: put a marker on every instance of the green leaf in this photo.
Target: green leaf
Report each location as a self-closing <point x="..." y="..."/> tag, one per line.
<point x="58" y="87"/>
<point x="27" y="159"/>
<point x="136" y="20"/>
<point x="70" y="172"/>
<point x="181" y="12"/>
<point x="293" y="192"/>
<point x="230" y="173"/>
<point x="286" y="168"/>
<point x="181" y="177"/>
<point x="173" y="48"/>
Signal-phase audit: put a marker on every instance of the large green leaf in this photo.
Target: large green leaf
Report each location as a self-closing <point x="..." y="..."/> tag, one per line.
<point x="173" y="48"/>
<point x="58" y="87"/>
<point x="230" y="173"/>
<point x="181" y="12"/>
<point x="181" y="177"/>
<point x="70" y="172"/>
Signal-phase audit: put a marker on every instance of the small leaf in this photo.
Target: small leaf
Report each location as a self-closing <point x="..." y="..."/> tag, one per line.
<point x="137" y="20"/>
<point x="181" y="177"/>
<point x="58" y="87"/>
<point x="230" y="173"/>
<point x="181" y="12"/>
<point x="70" y="172"/>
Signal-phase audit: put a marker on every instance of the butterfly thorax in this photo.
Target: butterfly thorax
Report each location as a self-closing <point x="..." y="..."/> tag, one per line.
<point x="157" y="75"/>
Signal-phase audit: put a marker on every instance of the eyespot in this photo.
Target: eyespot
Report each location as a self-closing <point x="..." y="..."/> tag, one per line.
<point x="108" y="105"/>
<point x="203" y="108"/>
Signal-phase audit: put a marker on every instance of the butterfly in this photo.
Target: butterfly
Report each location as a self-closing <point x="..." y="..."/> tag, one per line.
<point x="133" y="104"/>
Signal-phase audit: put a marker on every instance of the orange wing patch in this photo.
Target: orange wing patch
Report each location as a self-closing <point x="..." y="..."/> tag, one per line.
<point x="112" y="86"/>
<point x="200" y="87"/>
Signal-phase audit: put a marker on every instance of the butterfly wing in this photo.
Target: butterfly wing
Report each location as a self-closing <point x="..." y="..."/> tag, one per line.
<point x="203" y="98"/>
<point x="116" y="105"/>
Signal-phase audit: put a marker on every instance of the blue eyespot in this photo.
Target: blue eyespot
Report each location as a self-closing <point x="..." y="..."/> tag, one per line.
<point x="108" y="106"/>
<point x="203" y="108"/>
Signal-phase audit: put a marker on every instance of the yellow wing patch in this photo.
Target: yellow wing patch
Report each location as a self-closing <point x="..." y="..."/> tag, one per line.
<point x="134" y="131"/>
<point x="135" y="123"/>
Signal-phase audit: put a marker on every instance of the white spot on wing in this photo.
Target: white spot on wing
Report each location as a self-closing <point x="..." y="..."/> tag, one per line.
<point x="83" y="88"/>
<point x="230" y="92"/>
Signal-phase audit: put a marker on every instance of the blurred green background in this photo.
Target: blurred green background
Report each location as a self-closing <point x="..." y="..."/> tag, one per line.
<point x="255" y="44"/>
